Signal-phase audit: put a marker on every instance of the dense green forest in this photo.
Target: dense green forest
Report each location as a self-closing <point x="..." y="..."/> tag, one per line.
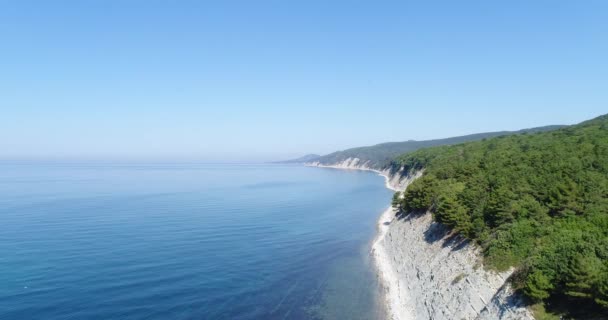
<point x="536" y="201"/>
<point x="380" y="155"/>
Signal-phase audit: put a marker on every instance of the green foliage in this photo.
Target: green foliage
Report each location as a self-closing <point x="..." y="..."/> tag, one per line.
<point x="602" y="298"/>
<point x="538" y="285"/>
<point x="420" y="196"/>
<point x="583" y="273"/>
<point x="380" y="155"/>
<point x="539" y="312"/>
<point x="535" y="201"/>
<point x="397" y="203"/>
<point x="459" y="278"/>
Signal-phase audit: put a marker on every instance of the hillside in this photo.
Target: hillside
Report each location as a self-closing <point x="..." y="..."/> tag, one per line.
<point x="534" y="201"/>
<point x="302" y="159"/>
<point x="381" y="155"/>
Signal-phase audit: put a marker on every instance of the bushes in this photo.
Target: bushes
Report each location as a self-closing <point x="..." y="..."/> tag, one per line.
<point x="420" y="196"/>
<point x="536" y="201"/>
<point x="538" y="285"/>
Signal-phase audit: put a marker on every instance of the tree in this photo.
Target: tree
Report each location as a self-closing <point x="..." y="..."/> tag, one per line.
<point x="583" y="275"/>
<point x="538" y="286"/>
<point x="397" y="202"/>
<point x="602" y="296"/>
<point x="538" y="202"/>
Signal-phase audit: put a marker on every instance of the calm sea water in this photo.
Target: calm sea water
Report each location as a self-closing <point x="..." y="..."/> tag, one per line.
<point x="187" y="241"/>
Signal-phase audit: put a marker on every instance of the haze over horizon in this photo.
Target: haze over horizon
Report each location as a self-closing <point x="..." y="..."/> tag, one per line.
<point x="242" y="81"/>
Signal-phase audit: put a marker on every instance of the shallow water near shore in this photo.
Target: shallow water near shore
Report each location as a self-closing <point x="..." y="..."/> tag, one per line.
<point x="187" y="241"/>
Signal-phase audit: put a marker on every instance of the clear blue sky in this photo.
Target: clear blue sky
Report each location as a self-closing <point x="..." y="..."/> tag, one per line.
<point x="259" y="80"/>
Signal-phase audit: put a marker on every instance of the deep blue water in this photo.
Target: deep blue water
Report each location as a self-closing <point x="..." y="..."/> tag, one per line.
<point x="187" y="241"/>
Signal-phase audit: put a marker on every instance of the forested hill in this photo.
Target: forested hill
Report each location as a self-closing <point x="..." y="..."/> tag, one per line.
<point x="536" y="201"/>
<point x="302" y="159"/>
<point x="380" y="155"/>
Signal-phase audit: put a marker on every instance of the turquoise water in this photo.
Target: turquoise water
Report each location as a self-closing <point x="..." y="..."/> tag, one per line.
<point x="187" y="241"/>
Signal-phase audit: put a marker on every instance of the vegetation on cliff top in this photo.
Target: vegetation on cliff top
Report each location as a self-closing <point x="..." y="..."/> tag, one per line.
<point x="380" y="155"/>
<point x="537" y="201"/>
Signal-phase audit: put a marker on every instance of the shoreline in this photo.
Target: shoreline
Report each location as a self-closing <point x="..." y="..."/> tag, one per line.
<point x="409" y="291"/>
<point x="384" y="174"/>
<point x="388" y="280"/>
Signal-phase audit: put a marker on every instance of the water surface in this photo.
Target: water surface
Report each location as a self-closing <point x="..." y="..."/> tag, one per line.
<point x="187" y="241"/>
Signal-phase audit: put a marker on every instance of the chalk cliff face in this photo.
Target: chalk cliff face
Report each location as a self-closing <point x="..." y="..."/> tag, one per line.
<point x="430" y="273"/>
<point x="441" y="276"/>
<point x="350" y="163"/>
<point x="395" y="181"/>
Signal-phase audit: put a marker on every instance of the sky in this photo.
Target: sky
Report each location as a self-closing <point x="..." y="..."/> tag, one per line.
<point x="266" y="80"/>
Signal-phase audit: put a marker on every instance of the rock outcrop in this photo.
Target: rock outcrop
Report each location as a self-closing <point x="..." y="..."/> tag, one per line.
<point x="440" y="275"/>
<point x="394" y="180"/>
<point x="429" y="272"/>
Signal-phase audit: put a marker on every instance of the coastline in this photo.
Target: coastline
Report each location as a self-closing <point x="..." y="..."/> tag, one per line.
<point x="392" y="294"/>
<point x="428" y="272"/>
<point x="354" y="165"/>
<point x="390" y="282"/>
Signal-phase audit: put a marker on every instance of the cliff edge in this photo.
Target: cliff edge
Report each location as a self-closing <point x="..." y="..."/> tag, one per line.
<point x="429" y="272"/>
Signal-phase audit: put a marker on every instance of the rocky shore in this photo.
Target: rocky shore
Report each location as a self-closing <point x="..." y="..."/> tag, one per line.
<point x="430" y="273"/>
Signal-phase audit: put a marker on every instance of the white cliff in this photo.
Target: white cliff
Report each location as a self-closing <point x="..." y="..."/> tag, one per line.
<point x="430" y="273"/>
<point x="395" y="181"/>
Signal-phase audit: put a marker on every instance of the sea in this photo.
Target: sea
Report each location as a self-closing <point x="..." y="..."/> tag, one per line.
<point x="126" y="240"/>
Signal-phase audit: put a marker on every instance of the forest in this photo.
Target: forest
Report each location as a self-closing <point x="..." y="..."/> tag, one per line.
<point x="534" y="201"/>
<point x="380" y="155"/>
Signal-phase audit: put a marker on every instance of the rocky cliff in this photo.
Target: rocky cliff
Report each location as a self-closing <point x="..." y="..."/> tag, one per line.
<point x="430" y="273"/>
<point x="438" y="275"/>
<point x="394" y="180"/>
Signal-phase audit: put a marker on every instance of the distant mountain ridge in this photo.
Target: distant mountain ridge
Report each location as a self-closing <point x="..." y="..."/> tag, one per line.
<point x="302" y="159"/>
<point x="380" y="155"/>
